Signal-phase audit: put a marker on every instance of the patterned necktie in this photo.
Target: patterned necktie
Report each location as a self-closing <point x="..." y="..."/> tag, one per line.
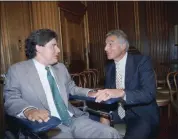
<point x="60" y="105"/>
<point x="118" y="77"/>
<point x="121" y="111"/>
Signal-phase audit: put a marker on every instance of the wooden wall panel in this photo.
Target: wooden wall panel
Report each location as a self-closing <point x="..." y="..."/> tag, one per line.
<point x="101" y="18"/>
<point x="74" y="38"/>
<point x="15" y="28"/>
<point x="46" y="15"/>
<point x="146" y="24"/>
<point x="73" y="41"/>
<point x="126" y="20"/>
<point x="157" y="29"/>
<point x="112" y="18"/>
<point x="172" y="14"/>
<point x="144" y="45"/>
<point x="137" y="27"/>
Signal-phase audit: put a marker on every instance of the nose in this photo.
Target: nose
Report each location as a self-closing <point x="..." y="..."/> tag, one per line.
<point x="106" y="47"/>
<point x="58" y="49"/>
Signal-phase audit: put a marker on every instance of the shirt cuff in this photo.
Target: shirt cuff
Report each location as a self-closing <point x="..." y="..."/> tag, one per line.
<point x="21" y="114"/>
<point x="92" y="90"/>
<point x="124" y="97"/>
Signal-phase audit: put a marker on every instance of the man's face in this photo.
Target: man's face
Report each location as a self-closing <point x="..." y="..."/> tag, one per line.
<point x="48" y="54"/>
<point x="114" y="48"/>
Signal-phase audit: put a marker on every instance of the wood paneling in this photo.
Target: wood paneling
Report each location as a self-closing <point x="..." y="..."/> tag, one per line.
<point x="73" y="36"/>
<point x="149" y="26"/>
<point x="127" y="20"/>
<point x="172" y="14"/>
<point x="15" y="28"/>
<point x="76" y="8"/>
<point x="46" y="15"/>
<point x="112" y="18"/>
<point x="157" y="31"/>
<point x="144" y="45"/>
<point x="146" y="23"/>
<point x="102" y="16"/>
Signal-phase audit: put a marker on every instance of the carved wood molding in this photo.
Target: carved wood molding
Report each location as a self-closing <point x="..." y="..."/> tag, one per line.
<point x="74" y="7"/>
<point x="73" y="18"/>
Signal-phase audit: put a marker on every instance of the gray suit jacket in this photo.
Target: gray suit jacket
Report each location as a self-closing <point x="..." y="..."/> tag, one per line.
<point x="23" y="88"/>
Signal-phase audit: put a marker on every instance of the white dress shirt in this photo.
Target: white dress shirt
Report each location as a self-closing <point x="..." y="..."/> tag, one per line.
<point x="42" y="72"/>
<point x="122" y="66"/>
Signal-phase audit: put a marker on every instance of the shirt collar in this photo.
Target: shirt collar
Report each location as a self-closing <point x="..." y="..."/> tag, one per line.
<point x="38" y="64"/>
<point x="123" y="60"/>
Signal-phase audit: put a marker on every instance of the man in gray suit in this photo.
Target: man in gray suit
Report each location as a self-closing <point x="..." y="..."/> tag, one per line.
<point x="28" y="92"/>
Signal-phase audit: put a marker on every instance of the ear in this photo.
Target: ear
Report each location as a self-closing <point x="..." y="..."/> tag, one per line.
<point x="123" y="46"/>
<point x="38" y="48"/>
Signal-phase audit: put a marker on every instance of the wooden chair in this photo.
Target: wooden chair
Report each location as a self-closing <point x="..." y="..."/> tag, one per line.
<point x="93" y="78"/>
<point x="161" y="73"/>
<point x="76" y="78"/>
<point x="163" y="99"/>
<point x="97" y="74"/>
<point x="90" y="78"/>
<point x="164" y="102"/>
<point x="79" y="80"/>
<point x="174" y="96"/>
<point x="83" y="80"/>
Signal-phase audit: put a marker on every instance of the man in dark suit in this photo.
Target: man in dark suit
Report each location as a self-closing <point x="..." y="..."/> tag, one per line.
<point x="39" y="88"/>
<point x="130" y="77"/>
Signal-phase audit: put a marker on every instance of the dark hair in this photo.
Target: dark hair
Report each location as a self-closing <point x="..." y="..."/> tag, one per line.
<point x="38" y="37"/>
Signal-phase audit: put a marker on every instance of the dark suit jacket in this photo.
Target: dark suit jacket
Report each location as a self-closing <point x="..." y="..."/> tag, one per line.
<point x="140" y="87"/>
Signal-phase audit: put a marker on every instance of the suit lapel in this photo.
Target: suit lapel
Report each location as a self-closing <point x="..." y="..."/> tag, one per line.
<point x="35" y="82"/>
<point x="113" y="75"/>
<point x="129" y="70"/>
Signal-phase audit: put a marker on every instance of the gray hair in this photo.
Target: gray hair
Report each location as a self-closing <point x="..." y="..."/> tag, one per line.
<point x="120" y="35"/>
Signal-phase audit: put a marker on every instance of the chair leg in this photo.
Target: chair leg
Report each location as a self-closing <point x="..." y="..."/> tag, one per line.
<point x="169" y="113"/>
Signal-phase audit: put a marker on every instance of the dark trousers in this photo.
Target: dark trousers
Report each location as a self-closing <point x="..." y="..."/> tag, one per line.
<point x="137" y="127"/>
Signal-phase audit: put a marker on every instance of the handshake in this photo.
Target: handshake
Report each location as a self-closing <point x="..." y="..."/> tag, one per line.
<point x="106" y="94"/>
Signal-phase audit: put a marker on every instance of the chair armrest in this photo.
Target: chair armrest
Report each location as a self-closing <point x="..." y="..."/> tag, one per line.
<point x="91" y="99"/>
<point x="36" y="127"/>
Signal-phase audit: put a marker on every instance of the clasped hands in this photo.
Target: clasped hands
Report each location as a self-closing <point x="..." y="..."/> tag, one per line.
<point x="106" y="94"/>
<point x="34" y="114"/>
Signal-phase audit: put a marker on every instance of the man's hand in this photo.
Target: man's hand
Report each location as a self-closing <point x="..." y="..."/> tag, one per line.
<point x="92" y="93"/>
<point x="103" y="95"/>
<point x="36" y="115"/>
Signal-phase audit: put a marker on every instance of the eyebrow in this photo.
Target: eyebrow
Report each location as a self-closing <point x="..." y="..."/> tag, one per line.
<point x="110" y="41"/>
